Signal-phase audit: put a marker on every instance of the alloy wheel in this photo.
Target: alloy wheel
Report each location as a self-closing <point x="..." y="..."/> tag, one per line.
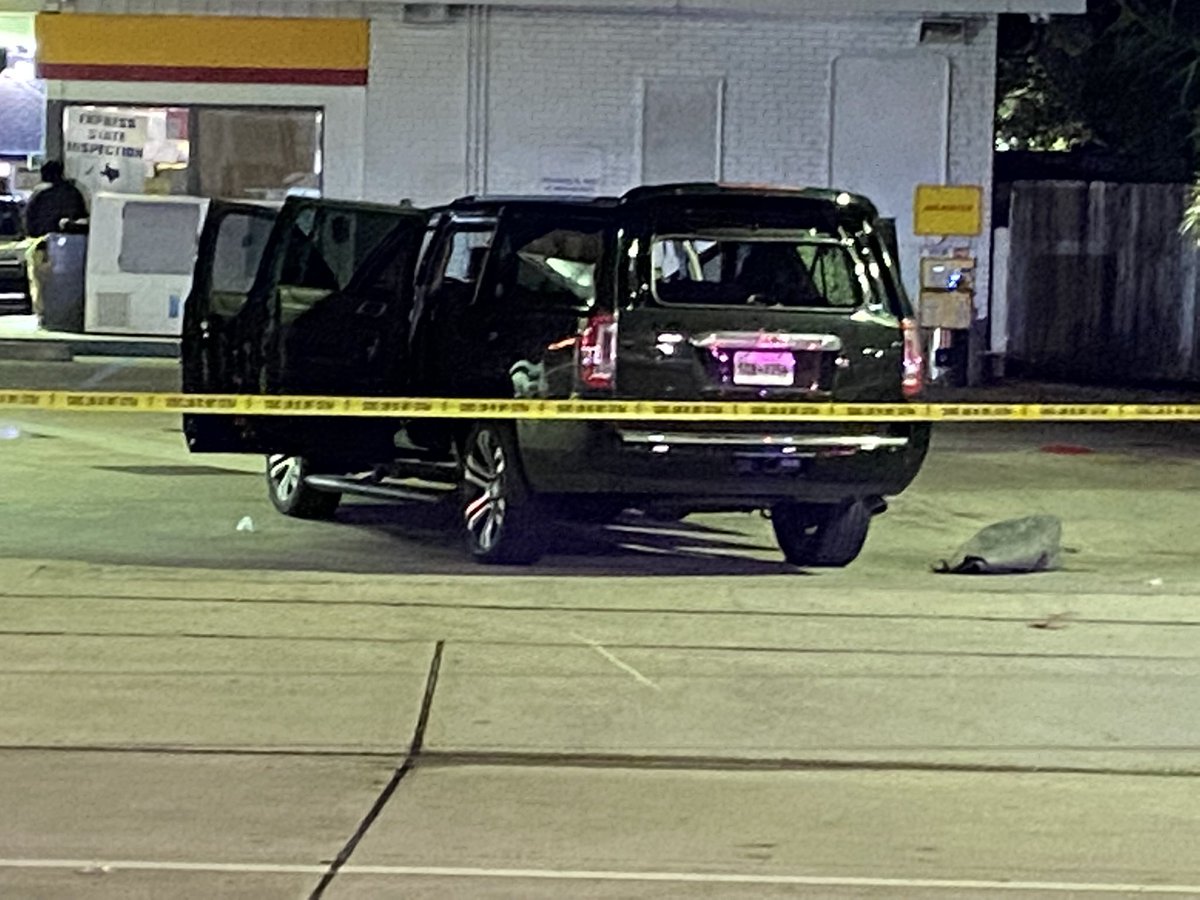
<point x="284" y="473"/>
<point x="487" y="505"/>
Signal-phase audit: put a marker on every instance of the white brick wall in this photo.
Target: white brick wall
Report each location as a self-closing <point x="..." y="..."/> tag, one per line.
<point x="416" y="111"/>
<point x="572" y="78"/>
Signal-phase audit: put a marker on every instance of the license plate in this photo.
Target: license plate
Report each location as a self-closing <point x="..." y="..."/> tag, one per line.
<point x="764" y="368"/>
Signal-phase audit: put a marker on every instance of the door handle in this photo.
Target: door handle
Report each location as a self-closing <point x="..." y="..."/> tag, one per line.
<point x="372" y="308"/>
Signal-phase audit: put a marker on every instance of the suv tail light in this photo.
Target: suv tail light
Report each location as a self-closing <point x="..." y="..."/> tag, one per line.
<point x="598" y="352"/>
<point x="914" y="360"/>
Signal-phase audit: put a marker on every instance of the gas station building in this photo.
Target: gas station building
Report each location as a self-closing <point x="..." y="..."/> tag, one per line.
<point x="428" y="101"/>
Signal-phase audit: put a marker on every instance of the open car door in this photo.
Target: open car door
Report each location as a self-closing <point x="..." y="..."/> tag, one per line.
<point x="315" y="301"/>
<point x="337" y="319"/>
<point x="332" y="312"/>
<point x="214" y="354"/>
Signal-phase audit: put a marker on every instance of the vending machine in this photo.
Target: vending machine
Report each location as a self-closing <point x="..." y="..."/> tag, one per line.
<point x="945" y="309"/>
<point x="141" y="253"/>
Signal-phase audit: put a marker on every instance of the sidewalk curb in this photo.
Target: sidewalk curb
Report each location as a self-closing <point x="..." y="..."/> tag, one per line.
<point x="64" y="350"/>
<point x="153" y="349"/>
<point x="36" y="351"/>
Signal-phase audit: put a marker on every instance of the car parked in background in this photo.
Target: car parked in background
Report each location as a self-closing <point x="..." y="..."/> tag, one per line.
<point x="14" y="246"/>
<point x="681" y="292"/>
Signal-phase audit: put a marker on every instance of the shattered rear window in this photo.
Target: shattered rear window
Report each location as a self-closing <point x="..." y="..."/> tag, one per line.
<point x="808" y="272"/>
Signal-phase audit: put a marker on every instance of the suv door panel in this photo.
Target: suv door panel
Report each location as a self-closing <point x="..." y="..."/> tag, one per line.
<point x="233" y="247"/>
<point x="546" y="281"/>
<point x="339" y="318"/>
<point x="328" y="315"/>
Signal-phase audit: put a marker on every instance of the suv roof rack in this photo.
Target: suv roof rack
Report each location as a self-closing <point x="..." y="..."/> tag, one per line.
<point x="703" y="188"/>
<point x="643" y="193"/>
<point x="533" y="199"/>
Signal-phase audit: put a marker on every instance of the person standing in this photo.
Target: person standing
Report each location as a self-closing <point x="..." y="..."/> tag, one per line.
<point x="54" y="200"/>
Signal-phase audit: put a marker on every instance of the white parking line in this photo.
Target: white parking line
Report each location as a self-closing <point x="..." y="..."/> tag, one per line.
<point x="104" y="373"/>
<point x="900" y="884"/>
<point x="618" y="662"/>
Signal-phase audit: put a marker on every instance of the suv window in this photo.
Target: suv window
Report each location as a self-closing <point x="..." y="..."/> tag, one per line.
<point x="555" y="268"/>
<point x="326" y="247"/>
<point x="799" y="271"/>
<point x="238" y="251"/>
<point x="452" y="262"/>
<point x="832" y="271"/>
<point x="466" y="253"/>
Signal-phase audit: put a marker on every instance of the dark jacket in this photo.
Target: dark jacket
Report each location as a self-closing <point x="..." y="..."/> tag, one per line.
<point x="52" y="203"/>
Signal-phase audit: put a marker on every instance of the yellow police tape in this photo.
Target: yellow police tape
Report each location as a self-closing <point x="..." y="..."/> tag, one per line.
<point x="586" y="410"/>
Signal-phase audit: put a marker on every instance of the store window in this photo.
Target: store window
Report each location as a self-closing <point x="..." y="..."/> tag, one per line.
<point x="233" y="153"/>
<point x="258" y="153"/>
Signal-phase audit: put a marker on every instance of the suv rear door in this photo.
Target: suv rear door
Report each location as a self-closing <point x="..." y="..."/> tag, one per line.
<point x="539" y="284"/>
<point x="447" y="334"/>
<point x="734" y="303"/>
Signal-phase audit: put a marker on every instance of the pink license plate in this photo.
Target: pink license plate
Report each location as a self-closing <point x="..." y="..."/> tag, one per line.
<point x="764" y="368"/>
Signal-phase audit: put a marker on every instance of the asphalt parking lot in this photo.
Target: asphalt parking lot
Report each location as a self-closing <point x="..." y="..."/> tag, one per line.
<point x="352" y="709"/>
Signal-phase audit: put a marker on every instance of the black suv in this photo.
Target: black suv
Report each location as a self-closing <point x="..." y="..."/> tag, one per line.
<point x="683" y="292"/>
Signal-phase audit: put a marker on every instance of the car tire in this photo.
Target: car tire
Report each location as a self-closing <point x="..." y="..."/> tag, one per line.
<point x="502" y="520"/>
<point x="830" y="536"/>
<point x="292" y="495"/>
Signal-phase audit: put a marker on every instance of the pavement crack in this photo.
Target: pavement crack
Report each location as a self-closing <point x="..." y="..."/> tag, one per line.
<point x="684" y="763"/>
<point x="410" y="760"/>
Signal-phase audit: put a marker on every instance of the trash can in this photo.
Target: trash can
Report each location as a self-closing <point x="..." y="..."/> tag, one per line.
<point x="61" y="277"/>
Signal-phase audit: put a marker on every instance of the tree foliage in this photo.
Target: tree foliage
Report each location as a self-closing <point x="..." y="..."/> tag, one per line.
<point x="1125" y="78"/>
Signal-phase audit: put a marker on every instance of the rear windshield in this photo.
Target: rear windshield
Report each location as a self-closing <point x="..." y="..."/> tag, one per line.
<point x="803" y="271"/>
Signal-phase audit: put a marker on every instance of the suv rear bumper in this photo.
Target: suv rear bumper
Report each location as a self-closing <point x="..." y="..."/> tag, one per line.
<point x="737" y="466"/>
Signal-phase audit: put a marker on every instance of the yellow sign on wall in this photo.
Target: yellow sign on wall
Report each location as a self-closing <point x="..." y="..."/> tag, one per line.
<point x="941" y="209"/>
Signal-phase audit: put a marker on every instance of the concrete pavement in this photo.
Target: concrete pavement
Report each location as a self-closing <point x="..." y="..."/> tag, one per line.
<point x="654" y="711"/>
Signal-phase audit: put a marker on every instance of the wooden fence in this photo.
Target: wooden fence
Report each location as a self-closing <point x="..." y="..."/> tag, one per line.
<point x="1102" y="286"/>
